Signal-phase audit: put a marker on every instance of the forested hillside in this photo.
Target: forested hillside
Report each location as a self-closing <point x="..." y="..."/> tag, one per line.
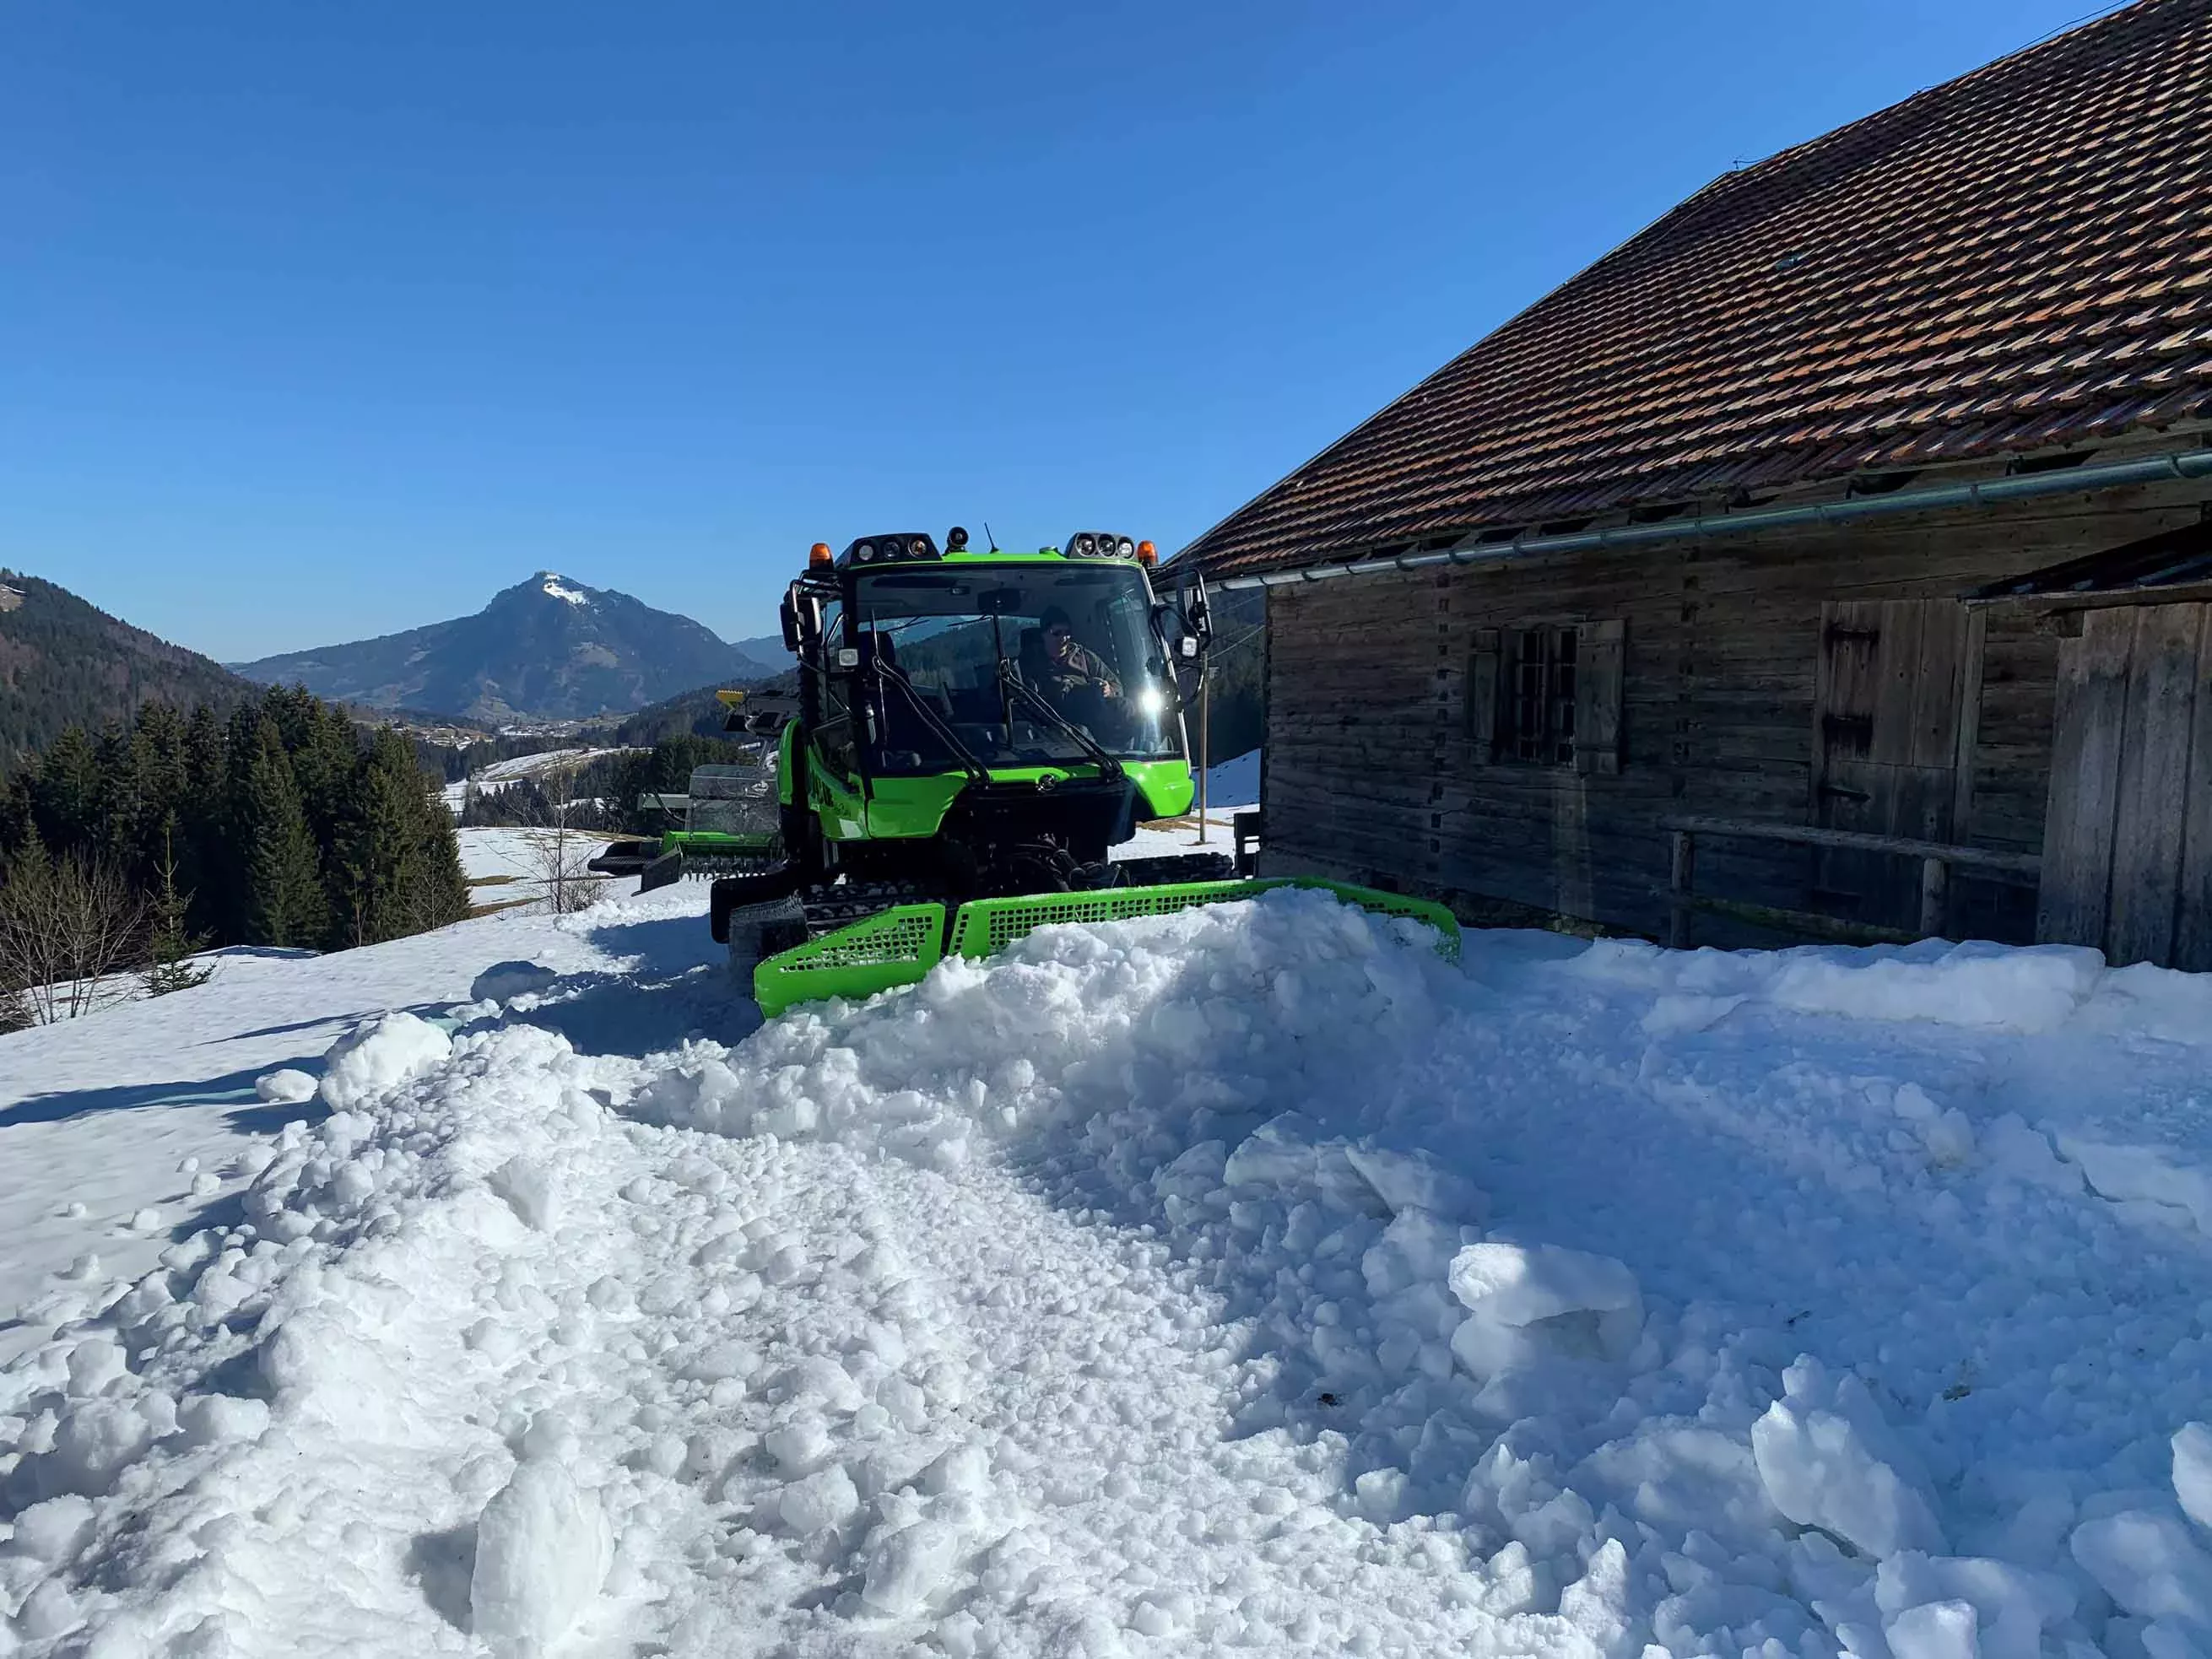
<point x="64" y="662"/>
<point x="278" y="822"/>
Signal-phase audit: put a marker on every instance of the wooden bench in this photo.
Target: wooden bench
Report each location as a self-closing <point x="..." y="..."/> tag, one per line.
<point x="1936" y="859"/>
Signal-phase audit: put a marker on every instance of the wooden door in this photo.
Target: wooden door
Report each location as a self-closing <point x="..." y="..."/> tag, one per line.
<point x="2127" y="838"/>
<point x="1896" y="680"/>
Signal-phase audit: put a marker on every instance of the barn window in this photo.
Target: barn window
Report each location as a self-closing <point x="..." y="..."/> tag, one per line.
<point x="1540" y="711"/>
<point x="1547" y="694"/>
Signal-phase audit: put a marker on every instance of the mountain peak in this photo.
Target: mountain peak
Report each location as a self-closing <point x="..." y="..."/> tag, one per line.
<point x="547" y="648"/>
<point x="554" y="586"/>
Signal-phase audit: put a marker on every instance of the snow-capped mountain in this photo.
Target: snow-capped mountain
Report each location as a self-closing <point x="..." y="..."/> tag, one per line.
<point x="547" y="648"/>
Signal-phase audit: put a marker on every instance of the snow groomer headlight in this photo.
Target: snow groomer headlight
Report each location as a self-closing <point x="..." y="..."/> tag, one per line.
<point x="1099" y="545"/>
<point x="904" y="547"/>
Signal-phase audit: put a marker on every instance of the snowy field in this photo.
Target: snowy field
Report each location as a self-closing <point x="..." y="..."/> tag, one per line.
<point x="497" y="774"/>
<point x="503" y="865"/>
<point x="1246" y="1278"/>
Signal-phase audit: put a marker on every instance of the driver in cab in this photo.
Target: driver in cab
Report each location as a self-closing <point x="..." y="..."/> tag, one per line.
<point x="1072" y="677"/>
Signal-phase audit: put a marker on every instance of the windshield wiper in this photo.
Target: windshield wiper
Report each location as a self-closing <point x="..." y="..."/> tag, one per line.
<point x="1089" y="744"/>
<point x="976" y="771"/>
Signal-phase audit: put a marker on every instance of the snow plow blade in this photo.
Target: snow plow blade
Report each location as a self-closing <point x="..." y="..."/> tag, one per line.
<point x="900" y="945"/>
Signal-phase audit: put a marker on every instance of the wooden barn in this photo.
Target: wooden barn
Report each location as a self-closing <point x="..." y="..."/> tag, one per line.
<point x="1833" y="559"/>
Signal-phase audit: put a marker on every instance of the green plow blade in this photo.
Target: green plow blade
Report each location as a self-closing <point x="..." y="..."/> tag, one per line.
<point x="900" y="945"/>
<point x="984" y="926"/>
<point x="897" y="947"/>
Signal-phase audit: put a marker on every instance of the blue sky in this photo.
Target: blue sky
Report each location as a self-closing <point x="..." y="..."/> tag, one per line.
<point x="323" y="321"/>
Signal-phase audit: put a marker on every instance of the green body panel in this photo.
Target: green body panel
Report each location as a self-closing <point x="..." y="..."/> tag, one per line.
<point x="836" y="800"/>
<point x="914" y="808"/>
<point x="900" y="945"/>
<point x="1167" y="785"/>
<point x="783" y="753"/>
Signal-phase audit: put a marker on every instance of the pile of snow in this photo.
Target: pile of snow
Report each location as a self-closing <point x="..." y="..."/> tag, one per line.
<point x="1249" y="1277"/>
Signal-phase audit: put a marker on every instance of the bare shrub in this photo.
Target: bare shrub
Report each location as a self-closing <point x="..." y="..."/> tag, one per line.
<point x="562" y="856"/>
<point x="69" y="927"/>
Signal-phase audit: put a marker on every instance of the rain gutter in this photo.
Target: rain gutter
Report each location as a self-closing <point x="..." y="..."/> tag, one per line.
<point x="1988" y="493"/>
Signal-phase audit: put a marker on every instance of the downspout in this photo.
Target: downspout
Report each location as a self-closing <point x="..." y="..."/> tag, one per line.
<point x="1988" y="493"/>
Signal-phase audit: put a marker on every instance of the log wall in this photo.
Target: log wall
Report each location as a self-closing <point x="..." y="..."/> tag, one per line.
<point x="1373" y="771"/>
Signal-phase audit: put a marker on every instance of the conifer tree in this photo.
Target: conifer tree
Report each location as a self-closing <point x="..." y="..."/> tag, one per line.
<point x="401" y="861"/>
<point x="207" y="861"/>
<point x="62" y="793"/>
<point x="115" y="801"/>
<point x="168" y="943"/>
<point x="282" y="892"/>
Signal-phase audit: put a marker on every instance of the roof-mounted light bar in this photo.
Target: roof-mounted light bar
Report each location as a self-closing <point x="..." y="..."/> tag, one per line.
<point x="1098" y="545"/>
<point x="901" y="547"/>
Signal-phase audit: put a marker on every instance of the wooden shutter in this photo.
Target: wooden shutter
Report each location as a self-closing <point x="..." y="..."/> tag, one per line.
<point x="1485" y="669"/>
<point x="1891" y="679"/>
<point x="2127" y="840"/>
<point x="1600" y="650"/>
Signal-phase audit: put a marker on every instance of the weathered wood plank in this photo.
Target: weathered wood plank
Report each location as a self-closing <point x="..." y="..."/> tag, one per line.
<point x="2085" y="773"/>
<point x="2153" y="784"/>
<point x="1897" y="681"/>
<point x="1818" y="835"/>
<point x="2192" y="928"/>
<point x="1601" y="662"/>
<point x="1972" y="647"/>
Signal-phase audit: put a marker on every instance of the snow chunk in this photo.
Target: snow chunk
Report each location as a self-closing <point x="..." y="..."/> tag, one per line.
<point x="1413" y="1181"/>
<point x="91" y="1445"/>
<point x="527" y="1184"/>
<point x="54" y="1531"/>
<point x="286" y="1088"/>
<point x="965" y="1469"/>
<point x="823" y="1500"/>
<point x="1525" y="1300"/>
<point x="2148" y="1563"/>
<point x="2022" y="1153"/>
<point x="1934" y="1630"/>
<point x="208" y="1419"/>
<point x="2154" y="1175"/>
<point x="379" y="1054"/>
<point x="2007" y="1607"/>
<point x="2192" y="1472"/>
<point x="903" y="1569"/>
<point x="503" y="979"/>
<point x="543" y="1549"/>
<point x="1830" y="1460"/>
<point x="1989" y="987"/>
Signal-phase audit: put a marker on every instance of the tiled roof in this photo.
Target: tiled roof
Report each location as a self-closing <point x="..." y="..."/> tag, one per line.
<point x="2018" y="259"/>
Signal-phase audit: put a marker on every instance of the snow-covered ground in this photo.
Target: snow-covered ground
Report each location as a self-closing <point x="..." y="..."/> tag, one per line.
<point x="536" y="766"/>
<point x="503" y="865"/>
<point x="1232" y="784"/>
<point x="1247" y="1278"/>
<point x="497" y="774"/>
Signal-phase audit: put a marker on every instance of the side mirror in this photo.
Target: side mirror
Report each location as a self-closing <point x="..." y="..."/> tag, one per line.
<point x="801" y="616"/>
<point x="1189" y="645"/>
